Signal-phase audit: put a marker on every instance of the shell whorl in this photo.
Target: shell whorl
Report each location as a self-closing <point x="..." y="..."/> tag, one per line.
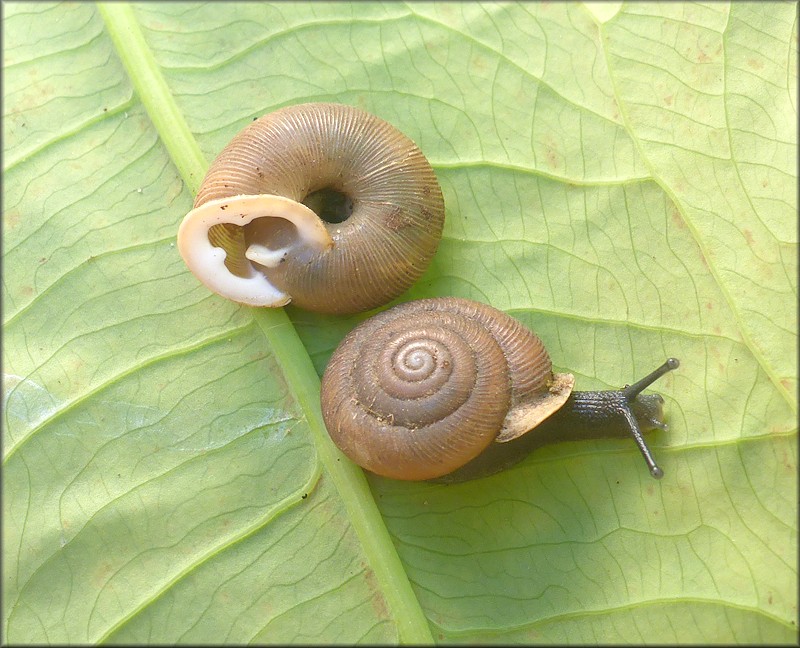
<point x="422" y="388"/>
<point x="369" y="258"/>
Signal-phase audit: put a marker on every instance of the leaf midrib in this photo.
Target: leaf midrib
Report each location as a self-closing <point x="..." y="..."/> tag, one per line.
<point x="282" y="338"/>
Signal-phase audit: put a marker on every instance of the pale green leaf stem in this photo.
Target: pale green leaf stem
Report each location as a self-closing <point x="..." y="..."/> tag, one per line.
<point x="290" y="353"/>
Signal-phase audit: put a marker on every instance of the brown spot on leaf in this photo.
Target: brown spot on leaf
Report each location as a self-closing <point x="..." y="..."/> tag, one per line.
<point x="788" y="461"/>
<point x="702" y="57"/>
<point x="478" y="62"/>
<point x="676" y="218"/>
<point x="11" y="218"/>
<point x="101" y="574"/>
<point x="552" y="154"/>
<point x="377" y="599"/>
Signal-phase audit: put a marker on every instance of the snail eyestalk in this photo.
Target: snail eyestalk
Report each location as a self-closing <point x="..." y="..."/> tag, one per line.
<point x="615" y="413"/>
<point x="630" y="419"/>
<point x="630" y="393"/>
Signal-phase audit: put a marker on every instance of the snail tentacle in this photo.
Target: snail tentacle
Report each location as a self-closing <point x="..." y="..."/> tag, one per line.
<point x="630" y="393"/>
<point x="614" y="413"/>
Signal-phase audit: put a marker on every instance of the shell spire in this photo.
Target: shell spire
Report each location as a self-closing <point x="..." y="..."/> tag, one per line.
<point x="421" y="389"/>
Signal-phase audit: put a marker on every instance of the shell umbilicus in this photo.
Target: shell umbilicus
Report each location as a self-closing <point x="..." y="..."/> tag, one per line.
<point x="320" y="204"/>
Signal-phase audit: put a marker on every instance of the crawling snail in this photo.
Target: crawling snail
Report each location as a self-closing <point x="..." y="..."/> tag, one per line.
<point x="320" y="204"/>
<point x="453" y="389"/>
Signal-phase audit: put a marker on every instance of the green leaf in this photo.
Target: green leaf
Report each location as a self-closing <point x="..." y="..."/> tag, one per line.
<point x="621" y="178"/>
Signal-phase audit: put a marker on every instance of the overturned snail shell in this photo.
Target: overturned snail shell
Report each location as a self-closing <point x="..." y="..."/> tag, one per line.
<point x="451" y="387"/>
<point x="323" y="205"/>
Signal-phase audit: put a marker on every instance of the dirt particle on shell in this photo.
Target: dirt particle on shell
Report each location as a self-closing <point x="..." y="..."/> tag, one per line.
<point x="397" y="219"/>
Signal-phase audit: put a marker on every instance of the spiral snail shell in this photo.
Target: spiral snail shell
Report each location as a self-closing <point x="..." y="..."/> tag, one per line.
<point x="451" y="387"/>
<point x="320" y="204"/>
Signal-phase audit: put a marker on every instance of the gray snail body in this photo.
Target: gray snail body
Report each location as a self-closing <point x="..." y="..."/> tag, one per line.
<point x="449" y="389"/>
<point x="320" y="204"/>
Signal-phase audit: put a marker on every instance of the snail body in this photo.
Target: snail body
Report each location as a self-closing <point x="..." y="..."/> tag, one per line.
<point x="452" y="389"/>
<point x="320" y="204"/>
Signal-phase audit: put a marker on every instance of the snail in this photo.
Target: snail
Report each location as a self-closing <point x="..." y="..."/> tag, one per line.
<point x="320" y="204"/>
<point x="452" y="389"/>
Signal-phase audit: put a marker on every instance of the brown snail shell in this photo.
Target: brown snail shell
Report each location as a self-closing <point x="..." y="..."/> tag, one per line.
<point x="254" y="236"/>
<point x="451" y="389"/>
<point x="421" y="389"/>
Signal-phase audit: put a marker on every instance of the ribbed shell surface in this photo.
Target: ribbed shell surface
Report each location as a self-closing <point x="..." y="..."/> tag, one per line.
<point x="420" y="389"/>
<point x="398" y="209"/>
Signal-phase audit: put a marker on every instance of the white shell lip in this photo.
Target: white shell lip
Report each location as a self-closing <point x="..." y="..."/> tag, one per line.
<point x="207" y="262"/>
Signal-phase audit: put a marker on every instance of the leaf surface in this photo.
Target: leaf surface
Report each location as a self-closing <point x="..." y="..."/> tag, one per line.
<point x="621" y="178"/>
